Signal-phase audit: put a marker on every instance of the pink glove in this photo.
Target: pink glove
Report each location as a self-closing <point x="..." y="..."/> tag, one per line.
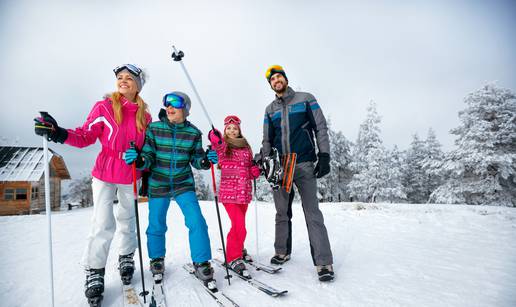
<point x="255" y="171"/>
<point x="215" y="136"/>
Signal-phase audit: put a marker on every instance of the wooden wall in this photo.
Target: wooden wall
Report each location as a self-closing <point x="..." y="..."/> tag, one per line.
<point x="11" y="207"/>
<point x="30" y="205"/>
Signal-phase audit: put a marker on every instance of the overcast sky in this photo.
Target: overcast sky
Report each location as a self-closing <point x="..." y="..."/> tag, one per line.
<point x="416" y="59"/>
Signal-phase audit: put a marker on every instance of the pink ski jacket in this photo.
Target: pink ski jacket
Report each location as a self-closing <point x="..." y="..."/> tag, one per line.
<point x="235" y="174"/>
<point x="100" y="124"/>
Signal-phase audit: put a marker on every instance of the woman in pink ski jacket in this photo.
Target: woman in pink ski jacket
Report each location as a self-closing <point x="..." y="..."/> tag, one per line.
<point x="235" y="192"/>
<point x="116" y="121"/>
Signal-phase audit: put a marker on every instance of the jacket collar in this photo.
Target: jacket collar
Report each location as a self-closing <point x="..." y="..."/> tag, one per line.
<point x="289" y="93"/>
<point x="128" y="105"/>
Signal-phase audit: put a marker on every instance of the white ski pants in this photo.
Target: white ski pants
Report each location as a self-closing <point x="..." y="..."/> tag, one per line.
<point x="104" y="222"/>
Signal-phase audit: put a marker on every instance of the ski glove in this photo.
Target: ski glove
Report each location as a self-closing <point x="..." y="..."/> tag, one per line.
<point x="323" y="165"/>
<point x="215" y="136"/>
<point x="46" y="125"/>
<point x="133" y="156"/>
<point x="255" y="171"/>
<point x="210" y="156"/>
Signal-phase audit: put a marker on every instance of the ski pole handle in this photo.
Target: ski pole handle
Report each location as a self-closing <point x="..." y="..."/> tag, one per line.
<point x="214" y="183"/>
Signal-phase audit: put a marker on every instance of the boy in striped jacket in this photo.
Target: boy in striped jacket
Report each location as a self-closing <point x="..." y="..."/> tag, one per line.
<point x="172" y="146"/>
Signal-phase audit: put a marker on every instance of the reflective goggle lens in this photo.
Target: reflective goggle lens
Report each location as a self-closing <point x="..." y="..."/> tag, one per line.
<point x="173" y="100"/>
<point x="130" y="67"/>
<point x="232" y="120"/>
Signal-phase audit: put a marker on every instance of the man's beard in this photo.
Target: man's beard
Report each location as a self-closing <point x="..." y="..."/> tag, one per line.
<point x="282" y="90"/>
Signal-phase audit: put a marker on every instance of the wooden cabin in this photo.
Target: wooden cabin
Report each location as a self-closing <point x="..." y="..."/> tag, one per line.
<point x="22" y="180"/>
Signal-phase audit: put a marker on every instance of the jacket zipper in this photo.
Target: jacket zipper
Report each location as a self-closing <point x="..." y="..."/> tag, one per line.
<point x="285" y="135"/>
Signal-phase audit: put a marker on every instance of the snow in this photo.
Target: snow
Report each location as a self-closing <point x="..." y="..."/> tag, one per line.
<point x="385" y="255"/>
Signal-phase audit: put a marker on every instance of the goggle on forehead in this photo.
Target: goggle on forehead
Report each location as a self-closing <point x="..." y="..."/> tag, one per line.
<point x="272" y="70"/>
<point x="130" y="67"/>
<point x="232" y="120"/>
<point x="173" y="100"/>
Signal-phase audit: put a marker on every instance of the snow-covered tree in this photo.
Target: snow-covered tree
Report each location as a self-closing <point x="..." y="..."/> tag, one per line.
<point x="203" y="190"/>
<point x="433" y="156"/>
<point x="392" y="189"/>
<point x="263" y="190"/>
<point x="414" y="178"/>
<point x="368" y="159"/>
<point x="332" y="187"/>
<point x="482" y="168"/>
<point x="80" y="191"/>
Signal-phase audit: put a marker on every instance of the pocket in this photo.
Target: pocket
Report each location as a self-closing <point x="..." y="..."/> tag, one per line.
<point x="310" y="139"/>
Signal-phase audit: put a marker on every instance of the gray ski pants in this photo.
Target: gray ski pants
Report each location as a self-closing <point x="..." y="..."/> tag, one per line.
<point x="306" y="183"/>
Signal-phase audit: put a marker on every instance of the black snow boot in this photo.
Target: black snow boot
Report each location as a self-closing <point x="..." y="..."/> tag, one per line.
<point x="157" y="267"/>
<point x="126" y="268"/>
<point x="204" y="272"/>
<point x="94" y="286"/>
<point x="325" y="272"/>
<point x="280" y="259"/>
<point x="238" y="266"/>
<point x="246" y="257"/>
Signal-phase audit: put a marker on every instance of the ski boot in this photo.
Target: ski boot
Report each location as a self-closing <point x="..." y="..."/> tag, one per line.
<point x="157" y="267"/>
<point x="94" y="286"/>
<point x="280" y="259"/>
<point x="245" y="256"/>
<point x="325" y="272"/>
<point x="238" y="266"/>
<point x="126" y="268"/>
<point x="204" y="272"/>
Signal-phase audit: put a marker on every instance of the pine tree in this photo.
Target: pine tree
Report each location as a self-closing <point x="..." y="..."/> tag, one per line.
<point x="434" y="155"/>
<point x="392" y="189"/>
<point x="203" y="191"/>
<point x="81" y="191"/>
<point x="367" y="159"/>
<point x="482" y="168"/>
<point x="332" y="187"/>
<point x="414" y="177"/>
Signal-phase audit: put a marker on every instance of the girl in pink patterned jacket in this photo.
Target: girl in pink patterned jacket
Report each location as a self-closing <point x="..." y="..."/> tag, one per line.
<point x="235" y="192"/>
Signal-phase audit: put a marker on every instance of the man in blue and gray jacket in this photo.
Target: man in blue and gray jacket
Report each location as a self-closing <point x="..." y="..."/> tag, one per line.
<point x="291" y="121"/>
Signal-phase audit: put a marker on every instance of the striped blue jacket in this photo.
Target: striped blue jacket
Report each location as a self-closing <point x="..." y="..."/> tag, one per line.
<point x="290" y="124"/>
<point x="169" y="151"/>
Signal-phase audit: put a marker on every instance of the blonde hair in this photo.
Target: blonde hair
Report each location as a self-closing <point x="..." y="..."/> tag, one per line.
<point x="141" y="119"/>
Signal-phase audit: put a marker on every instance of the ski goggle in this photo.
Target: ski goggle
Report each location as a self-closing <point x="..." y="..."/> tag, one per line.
<point x="272" y="70"/>
<point x="136" y="71"/>
<point x="232" y="119"/>
<point x="173" y="100"/>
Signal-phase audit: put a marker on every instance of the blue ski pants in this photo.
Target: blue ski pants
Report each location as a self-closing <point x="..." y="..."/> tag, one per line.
<point x="200" y="249"/>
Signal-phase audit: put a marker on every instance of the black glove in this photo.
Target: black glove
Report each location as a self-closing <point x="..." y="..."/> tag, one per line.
<point x="144" y="188"/>
<point x="47" y="126"/>
<point x="205" y="162"/>
<point x="323" y="165"/>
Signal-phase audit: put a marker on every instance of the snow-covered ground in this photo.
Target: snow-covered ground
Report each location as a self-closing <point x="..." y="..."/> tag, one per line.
<point x="385" y="255"/>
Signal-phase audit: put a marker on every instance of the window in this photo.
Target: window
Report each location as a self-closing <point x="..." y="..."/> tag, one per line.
<point x="21" y="194"/>
<point x="9" y="194"/>
<point x="35" y="193"/>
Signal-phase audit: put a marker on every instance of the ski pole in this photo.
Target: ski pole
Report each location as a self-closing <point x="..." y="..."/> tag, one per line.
<point x="49" y="213"/>
<point x="256" y="221"/>
<point x="214" y="183"/>
<point x="178" y="56"/>
<point x="144" y="293"/>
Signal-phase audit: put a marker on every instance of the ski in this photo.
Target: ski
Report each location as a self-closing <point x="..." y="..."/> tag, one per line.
<point x="260" y="266"/>
<point x="263" y="267"/>
<point x="255" y="283"/>
<point x="221" y="298"/>
<point x="130" y="296"/>
<point x="157" y="298"/>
